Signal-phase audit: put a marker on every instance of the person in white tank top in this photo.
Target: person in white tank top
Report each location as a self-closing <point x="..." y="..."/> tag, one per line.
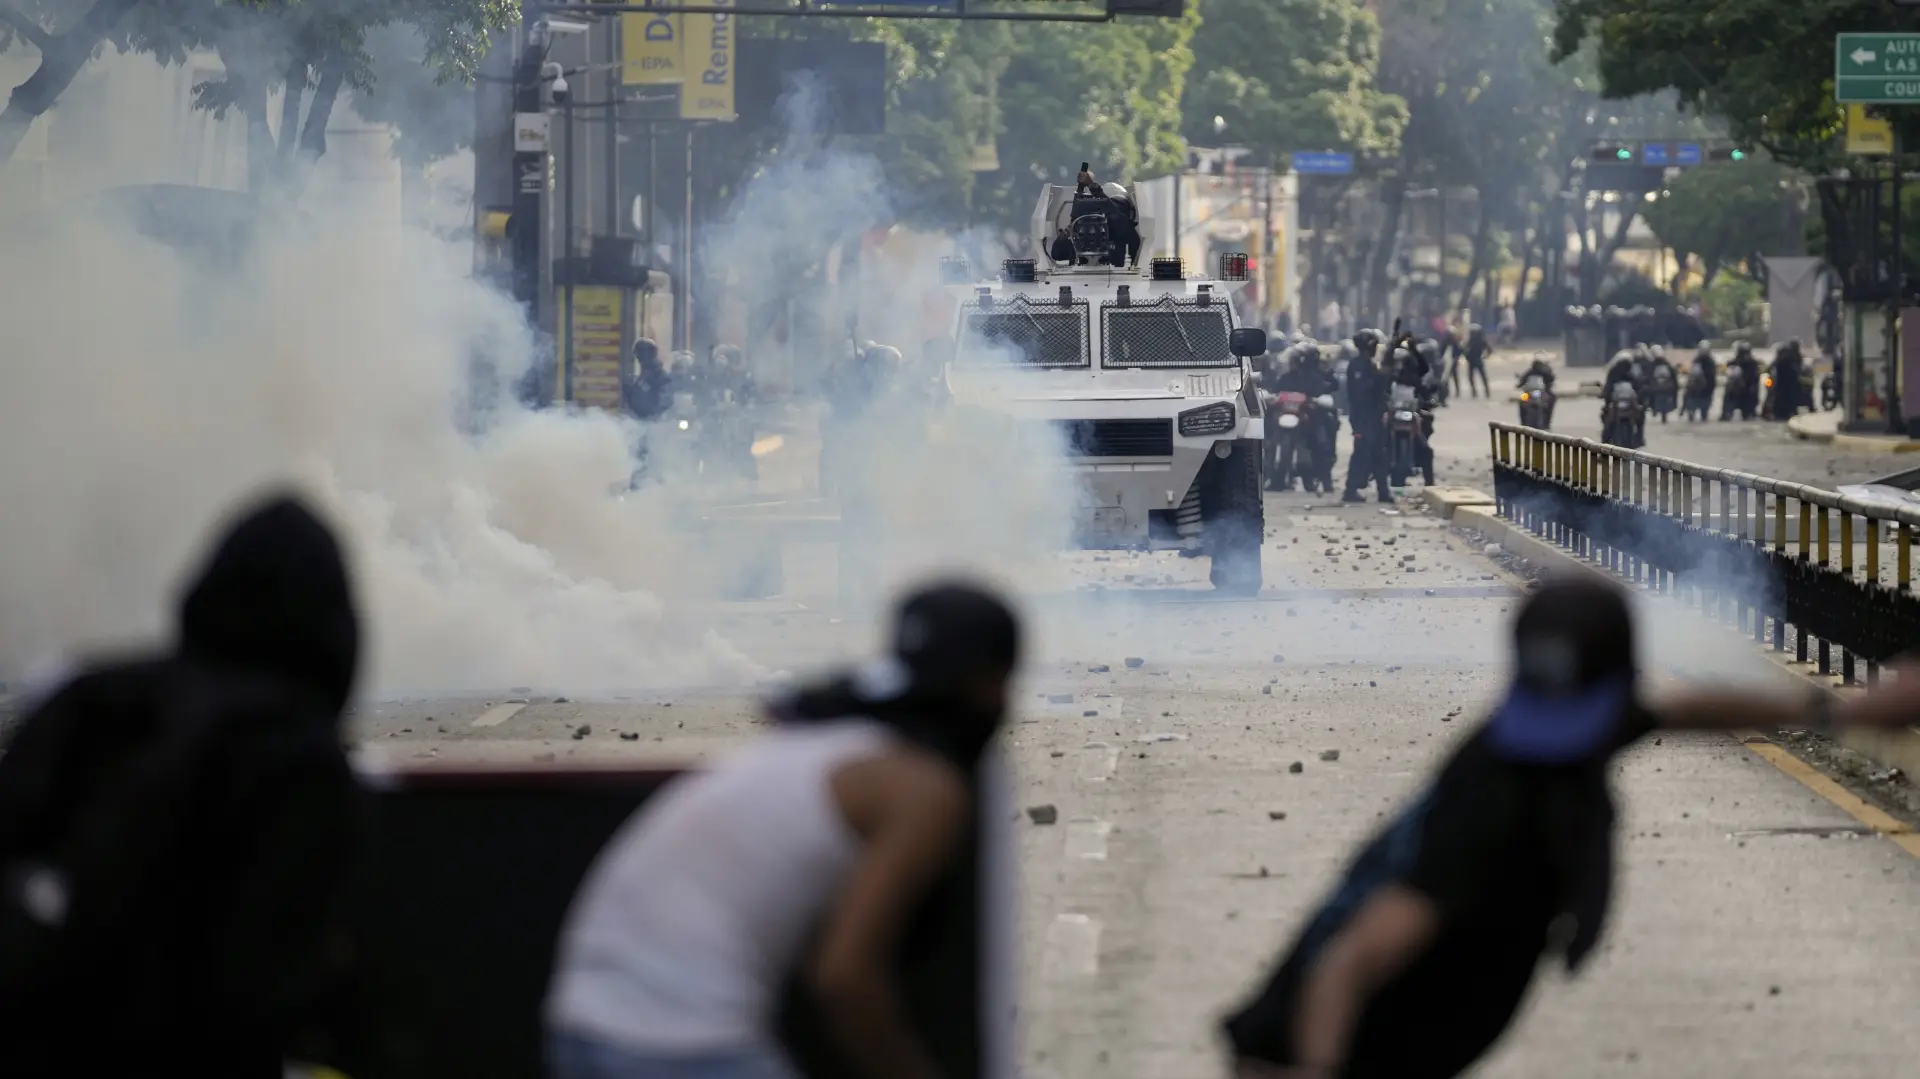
<point x="805" y="852"/>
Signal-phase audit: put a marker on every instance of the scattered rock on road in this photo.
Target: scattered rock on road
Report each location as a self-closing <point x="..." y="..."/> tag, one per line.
<point x="629" y="736"/>
<point x="1059" y="698"/>
<point x="1329" y="754"/>
<point x="1099" y="668"/>
<point x="1276" y="814"/>
<point x="1044" y="814"/>
<point x="581" y="731"/>
<point x="1296" y="768"/>
<point x="1135" y="663"/>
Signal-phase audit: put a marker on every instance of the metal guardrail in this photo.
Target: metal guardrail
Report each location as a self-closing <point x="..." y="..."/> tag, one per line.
<point x="1755" y="552"/>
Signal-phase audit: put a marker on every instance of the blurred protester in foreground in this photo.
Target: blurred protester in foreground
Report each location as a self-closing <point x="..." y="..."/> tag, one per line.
<point x="177" y="830"/>
<point x="807" y="853"/>
<point x="1422" y="956"/>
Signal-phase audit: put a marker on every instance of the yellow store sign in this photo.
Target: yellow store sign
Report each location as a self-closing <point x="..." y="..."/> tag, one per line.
<point x="650" y="49"/>
<point x="1866" y="134"/>
<point x="708" y="55"/>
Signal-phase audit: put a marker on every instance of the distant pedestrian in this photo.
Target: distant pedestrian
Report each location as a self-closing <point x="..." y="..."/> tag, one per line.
<point x="801" y="859"/>
<point x="1421" y="957"/>
<point x="177" y="830"/>
<point x="1508" y="328"/>
<point x="1330" y="320"/>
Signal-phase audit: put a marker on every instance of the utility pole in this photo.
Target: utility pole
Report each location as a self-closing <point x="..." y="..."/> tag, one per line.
<point x="1896" y="423"/>
<point x="529" y="165"/>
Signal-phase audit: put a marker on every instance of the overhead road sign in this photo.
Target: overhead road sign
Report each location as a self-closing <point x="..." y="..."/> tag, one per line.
<point x="1686" y="153"/>
<point x="1876" y="69"/>
<point x="1322" y="163"/>
<point x="1091" y="11"/>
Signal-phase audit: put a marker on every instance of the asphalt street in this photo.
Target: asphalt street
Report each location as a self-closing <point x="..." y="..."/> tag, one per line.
<point x="1211" y="763"/>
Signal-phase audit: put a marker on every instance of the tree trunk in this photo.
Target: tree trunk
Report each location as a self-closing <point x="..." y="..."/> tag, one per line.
<point x="1476" y="265"/>
<point x="61" y="58"/>
<point x="293" y="94"/>
<point x="1612" y="245"/>
<point x="1393" y="198"/>
<point x="1529" y="231"/>
<point x="326" y="92"/>
<point x="1712" y="271"/>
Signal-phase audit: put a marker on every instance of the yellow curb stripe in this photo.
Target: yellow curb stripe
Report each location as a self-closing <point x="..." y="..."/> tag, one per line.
<point x="1868" y="814"/>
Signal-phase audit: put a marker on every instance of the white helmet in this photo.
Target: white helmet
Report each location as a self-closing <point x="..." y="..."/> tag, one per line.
<point x="1116" y="192"/>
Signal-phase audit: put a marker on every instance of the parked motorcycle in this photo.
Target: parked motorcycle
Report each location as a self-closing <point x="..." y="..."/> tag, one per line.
<point x="1621" y="423"/>
<point x="1404" y="434"/>
<point x="1665" y="392"/>
<point x="1830" y="390"/>
<point x="1536" y="404"/>
<point x="1288" y="436"/>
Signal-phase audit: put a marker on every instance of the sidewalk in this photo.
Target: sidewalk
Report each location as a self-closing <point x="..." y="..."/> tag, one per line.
<point x="1824" y="427"/>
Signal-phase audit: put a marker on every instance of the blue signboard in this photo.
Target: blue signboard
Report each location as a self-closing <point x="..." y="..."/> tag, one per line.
<point x="1687" y="153"/>
<point x="1655" y="153"/>
<point x="1322" y="163"/>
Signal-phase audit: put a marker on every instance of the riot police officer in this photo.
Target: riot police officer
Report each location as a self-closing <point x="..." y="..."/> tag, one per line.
<point x="1367" y="389"/>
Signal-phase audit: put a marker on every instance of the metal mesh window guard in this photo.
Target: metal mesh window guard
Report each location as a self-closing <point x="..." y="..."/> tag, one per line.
<point x="1026" y="334"/>
<point x="1166" y="335"/>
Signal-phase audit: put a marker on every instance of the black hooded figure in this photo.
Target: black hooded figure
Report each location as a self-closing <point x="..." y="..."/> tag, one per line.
<point x="177" y="830"/>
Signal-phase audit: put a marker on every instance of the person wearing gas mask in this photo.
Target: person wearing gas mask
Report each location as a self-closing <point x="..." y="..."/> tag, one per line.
<point x="799" y="858"/>
<point x="1745" y="398"/>
<point x="1123" y="225"/>
<point x="1367" y="392"/>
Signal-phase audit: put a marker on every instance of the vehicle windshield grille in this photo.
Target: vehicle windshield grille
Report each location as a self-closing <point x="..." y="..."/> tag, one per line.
<point x="1025" y="335"/>
<point x="1166" y="335"/>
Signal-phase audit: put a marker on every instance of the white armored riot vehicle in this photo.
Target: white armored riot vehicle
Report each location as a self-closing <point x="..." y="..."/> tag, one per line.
<point x="1138" y="371"/>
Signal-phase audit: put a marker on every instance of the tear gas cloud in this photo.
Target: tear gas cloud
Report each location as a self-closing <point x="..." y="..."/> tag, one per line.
<point x="148" y="392"/>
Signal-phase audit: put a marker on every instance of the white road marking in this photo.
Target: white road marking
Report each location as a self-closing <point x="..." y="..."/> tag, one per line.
<point x="1088" y="839"/>
<point x="498" y="714"/>
<point x="1100" y="762"/>
<point x="1073" y="947"/>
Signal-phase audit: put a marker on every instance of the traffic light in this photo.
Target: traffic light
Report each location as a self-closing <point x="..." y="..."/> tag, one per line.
<point x="1734" y="153"/>
<point x="1611" y="153"/>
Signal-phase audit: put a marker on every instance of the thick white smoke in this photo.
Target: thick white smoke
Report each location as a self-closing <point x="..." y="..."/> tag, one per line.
<point x="146" y="393"/>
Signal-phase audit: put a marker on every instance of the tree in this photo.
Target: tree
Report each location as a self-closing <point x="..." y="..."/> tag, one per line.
<point x="1290" y="75"/>
<point x="1109" y="96"/>
<point x="308" y="50"/>
<point x="63" y="52"/>
<point x="1759" y="64"/>
<point x="1728" y="214"/>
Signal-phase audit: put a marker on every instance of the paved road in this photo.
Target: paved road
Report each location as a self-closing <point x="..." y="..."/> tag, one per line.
<point x="1186" y="851"/>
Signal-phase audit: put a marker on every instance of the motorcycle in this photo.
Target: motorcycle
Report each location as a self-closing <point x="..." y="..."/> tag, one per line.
<point x="1620" y="423"/>
<point x="1536" y="404"/>
<point x="1404" y="434"/>
<point x="1664" y="392"/>
<point x="1830" y="391"/>
<point x="1288" y="435"/>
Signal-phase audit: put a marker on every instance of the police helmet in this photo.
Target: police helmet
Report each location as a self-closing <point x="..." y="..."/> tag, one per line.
<point x="1743" y="349"/>
<point x="1116" y="192"/>
<point x="1365" y="339"/>
<point x="1657" y="352"/>
<point x="645" y="350"/>
<point x="1429" y="349"/>
<point x="1475" y="328"/>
